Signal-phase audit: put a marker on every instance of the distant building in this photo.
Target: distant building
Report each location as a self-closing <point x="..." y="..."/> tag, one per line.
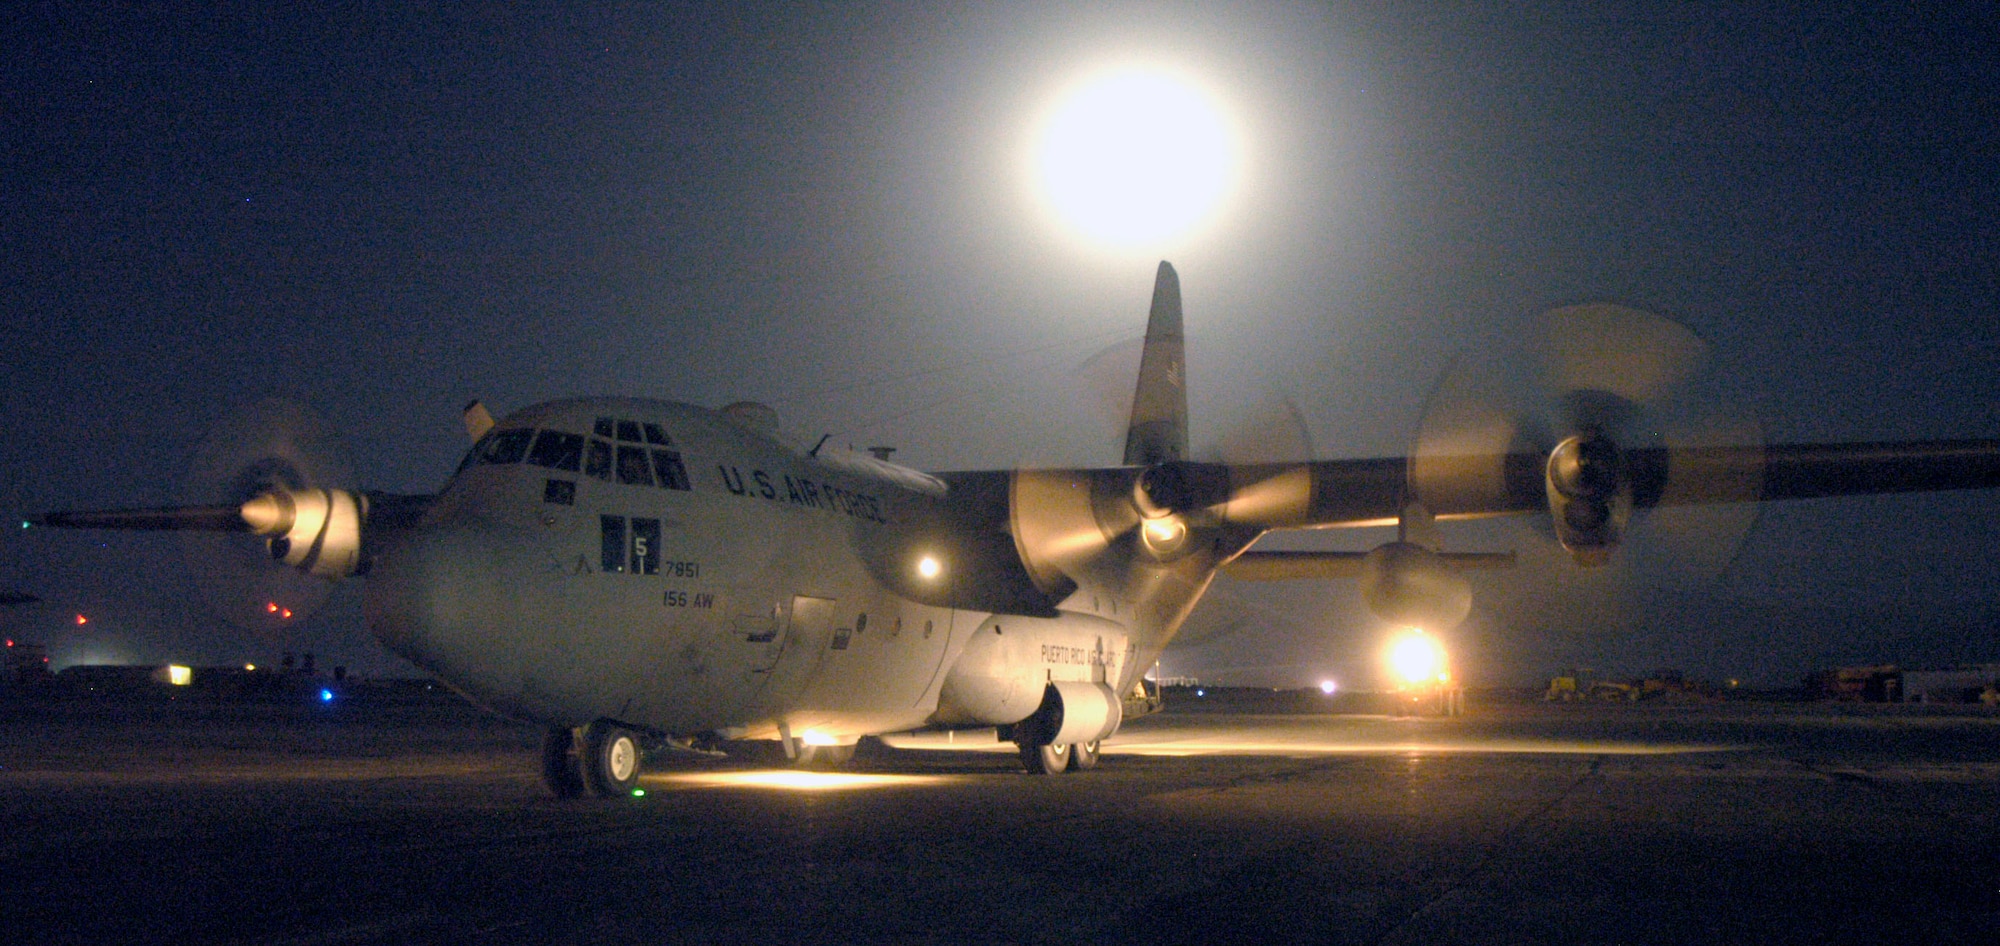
<point x="1958" y="685"/>
<point x="1877" y="684"/>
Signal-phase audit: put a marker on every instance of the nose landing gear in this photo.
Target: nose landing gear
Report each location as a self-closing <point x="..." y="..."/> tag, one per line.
<point x="602" y="758"/>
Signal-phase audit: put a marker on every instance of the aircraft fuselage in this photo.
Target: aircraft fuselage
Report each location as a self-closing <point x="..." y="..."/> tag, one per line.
<point x="678" y="569"/>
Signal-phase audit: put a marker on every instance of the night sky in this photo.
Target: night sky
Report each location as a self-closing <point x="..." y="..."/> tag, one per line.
<point x="386" y="213"/>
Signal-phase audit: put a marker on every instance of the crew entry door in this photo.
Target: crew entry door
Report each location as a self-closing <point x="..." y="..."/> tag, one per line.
<point x="801" y="646"/>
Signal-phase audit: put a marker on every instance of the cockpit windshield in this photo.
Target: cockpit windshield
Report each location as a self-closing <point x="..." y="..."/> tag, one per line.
<point x="626" y="463"/>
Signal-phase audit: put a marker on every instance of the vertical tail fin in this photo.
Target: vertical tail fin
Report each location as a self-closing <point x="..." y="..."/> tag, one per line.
<point x="1158" y="431"/>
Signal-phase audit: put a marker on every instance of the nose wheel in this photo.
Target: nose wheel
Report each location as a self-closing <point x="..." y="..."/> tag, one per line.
<point x="602" y="758"/>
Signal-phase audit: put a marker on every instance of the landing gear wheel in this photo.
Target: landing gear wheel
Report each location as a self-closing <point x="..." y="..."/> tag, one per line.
<point x="1083" y="756"/>
<point x="825" y="757"/>
<point x="1045" y="758"/>
<point x="560" y="771"/>
<point x="610" y="759"/>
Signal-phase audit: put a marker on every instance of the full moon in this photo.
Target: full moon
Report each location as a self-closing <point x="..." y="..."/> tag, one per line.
<point x="1135" y="157"/>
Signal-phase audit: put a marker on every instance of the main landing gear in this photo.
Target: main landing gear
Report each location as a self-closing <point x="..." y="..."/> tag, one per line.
<point x="1091" y="710"/>
<point x="602" y="758"/>
<point x="1042" y="756"/>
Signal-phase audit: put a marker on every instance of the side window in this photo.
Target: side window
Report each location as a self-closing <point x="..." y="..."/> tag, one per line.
<point x="478" y="450"/>
<point x="632" y="466"/>
<point x="628" y="431"/>
<point x="645" y="546"/>
<point x="668" y="465"/>
<point x="599" y="462"/>
<point x="507" y="446"/>
<point x="613" y="542"/>
<point x="557" y="450"/>
<point x="559" y="492"/>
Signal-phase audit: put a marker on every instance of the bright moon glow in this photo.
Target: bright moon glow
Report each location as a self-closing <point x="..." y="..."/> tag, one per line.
<point x="1416" y="658"/>
<point x="1134" y="157"/>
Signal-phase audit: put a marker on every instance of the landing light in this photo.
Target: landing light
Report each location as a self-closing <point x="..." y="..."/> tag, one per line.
<point x="179" y="676"/>
<point x="928" y="567"/>
<point x="1328" y="686"/>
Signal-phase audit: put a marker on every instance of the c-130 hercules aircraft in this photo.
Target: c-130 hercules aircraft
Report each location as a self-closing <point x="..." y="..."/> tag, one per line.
<point x="625" y="570"/>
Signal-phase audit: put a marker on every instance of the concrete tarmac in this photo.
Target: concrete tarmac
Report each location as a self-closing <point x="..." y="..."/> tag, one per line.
<point x="424" y="822"/>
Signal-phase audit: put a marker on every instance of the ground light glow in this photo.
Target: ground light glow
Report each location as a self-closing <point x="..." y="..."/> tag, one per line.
<point x="1132" y="157"/>
<point x="797" y="781"/>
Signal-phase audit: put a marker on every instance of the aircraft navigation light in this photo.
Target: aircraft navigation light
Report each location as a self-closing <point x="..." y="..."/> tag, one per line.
<point x="250" y="668"/>
<point x="81" y="620"/>
<point x="1328" y="686"/>
<point x="325" y="696"/>
<point x="929" y="567"/>
<point x="1134" y="156"/>
<point x="1417" y="658"/>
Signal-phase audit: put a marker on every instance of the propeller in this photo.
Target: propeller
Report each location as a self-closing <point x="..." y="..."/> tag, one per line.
<point x="272" y="444"/>
<point x="1585" y="411"/>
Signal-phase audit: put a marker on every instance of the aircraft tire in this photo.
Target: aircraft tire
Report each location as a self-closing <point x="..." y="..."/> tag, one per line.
<point x="1045" y="758"/>
<point x="1083" y="755"/>
<point x="610" y="759"/>
<point x="560" y="769"/>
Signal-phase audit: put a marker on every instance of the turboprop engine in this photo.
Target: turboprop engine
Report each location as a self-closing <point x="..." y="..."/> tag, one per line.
<point x="317" y="531"/>
<point x="1590" y="498"/>
<point x="1409" y="585"/>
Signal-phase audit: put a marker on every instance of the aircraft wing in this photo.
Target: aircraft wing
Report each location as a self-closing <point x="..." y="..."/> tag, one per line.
<point x="1371" y="492"/>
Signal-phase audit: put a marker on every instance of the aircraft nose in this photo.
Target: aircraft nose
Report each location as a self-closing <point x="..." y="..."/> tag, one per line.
<point x="433" y="592"/>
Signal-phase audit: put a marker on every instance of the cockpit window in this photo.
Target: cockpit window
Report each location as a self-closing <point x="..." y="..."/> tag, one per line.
<point x="602" y="428"/>
<point x="632" y="467"/>
<point x="628" y="431"/>
<point x="599" y="462"/>
<point x="506" y="446"/>
<point x="654" y="435"/>
<point x="557" y="450"/>
<point x="667" y="464"/>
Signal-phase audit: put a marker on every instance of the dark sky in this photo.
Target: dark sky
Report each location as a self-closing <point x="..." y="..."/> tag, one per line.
<point x="385" y="213"/>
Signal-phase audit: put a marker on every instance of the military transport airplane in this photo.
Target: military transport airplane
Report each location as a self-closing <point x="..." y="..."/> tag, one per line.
<point x="625" y="570"/>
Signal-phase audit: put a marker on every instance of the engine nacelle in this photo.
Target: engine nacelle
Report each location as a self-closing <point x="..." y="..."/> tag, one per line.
<point x="1590" y="499"/>
<point x="317" y="531"/>
<point x="1409" y="585"/>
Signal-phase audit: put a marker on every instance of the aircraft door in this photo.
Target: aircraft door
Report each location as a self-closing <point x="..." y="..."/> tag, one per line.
<point x="800" y="648"/>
